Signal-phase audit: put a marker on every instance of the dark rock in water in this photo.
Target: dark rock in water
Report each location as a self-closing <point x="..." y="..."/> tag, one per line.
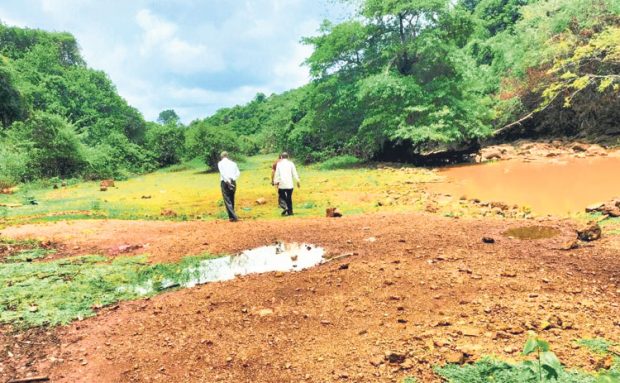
<point x="590" y="232"/>
<point x="488" y="240"/>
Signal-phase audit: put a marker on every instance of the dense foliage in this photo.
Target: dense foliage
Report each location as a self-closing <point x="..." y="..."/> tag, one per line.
<point x="59" y="118"/>
<point x="399" y="79"/>
<point x="409" y="77"/>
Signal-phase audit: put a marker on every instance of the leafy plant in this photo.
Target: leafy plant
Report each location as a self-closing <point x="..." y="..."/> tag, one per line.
<point x="547" y="364"/>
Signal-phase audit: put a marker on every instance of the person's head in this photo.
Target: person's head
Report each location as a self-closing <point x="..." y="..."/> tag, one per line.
<point x="284" y="155"/>
<point x="224" y="154"/>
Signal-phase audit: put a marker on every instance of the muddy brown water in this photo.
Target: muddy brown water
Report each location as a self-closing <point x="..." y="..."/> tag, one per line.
<point x="558" y="186"/>
<point x="533" y="232"/>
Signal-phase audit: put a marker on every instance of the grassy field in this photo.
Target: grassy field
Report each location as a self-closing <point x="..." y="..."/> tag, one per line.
<point x="193" y="193"/>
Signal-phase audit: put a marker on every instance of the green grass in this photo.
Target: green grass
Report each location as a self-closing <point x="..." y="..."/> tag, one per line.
<point x="57" y="292"/>
<point x="29" y="255"/>
<point x="340" y="162"/>
<point x="597" y="345"/>
<point x="491" y="370"/>
<point x="192" y="192"/>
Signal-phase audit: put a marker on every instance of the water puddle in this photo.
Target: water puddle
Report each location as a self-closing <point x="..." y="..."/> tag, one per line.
<point x="557" y="187"/>
<point x="532" y="232"/>
<point x="283" y="257"/>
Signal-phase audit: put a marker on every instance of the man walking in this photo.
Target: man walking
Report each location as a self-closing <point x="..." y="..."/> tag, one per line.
<point x="281" y="201"/>
<point x="284" y="178"/>
<point x="229" y="173"/>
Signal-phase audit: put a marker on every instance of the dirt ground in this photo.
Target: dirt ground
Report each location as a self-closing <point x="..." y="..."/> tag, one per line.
<point x="414" y="289"/>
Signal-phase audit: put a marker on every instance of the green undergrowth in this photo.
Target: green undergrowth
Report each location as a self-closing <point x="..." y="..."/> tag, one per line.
<point x="596" y="345"/>
<point x="340" y="162"/>
<point x="542" y="366"/>
<point x="57" y="292"/>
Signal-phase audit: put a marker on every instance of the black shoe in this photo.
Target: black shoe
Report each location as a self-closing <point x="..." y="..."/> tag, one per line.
<point x="284" y="213"/>
<point x="234" y="220"/>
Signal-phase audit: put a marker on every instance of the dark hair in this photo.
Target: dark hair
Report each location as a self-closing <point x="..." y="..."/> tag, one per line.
<point x="284" y="155"/>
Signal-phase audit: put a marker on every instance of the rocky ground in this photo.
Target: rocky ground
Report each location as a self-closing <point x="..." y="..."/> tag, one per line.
<point x="540" y="150"/>
<point x="411" y="291"/>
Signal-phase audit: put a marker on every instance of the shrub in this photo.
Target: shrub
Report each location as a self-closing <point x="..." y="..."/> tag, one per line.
<point x="207" y="142"/>
<point x="340" y="162"/>
<point x="166" y="142"/>
<point x="56" y="149"/>
<point x="13" y="166"/>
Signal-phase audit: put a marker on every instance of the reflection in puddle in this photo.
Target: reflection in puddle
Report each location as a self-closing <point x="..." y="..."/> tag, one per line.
<point x="532" y="232"/>
<point x="282" y="257"/>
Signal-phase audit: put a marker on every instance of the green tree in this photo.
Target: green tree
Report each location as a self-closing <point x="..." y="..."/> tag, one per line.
<point x="207" y="142"/>
<point x="166" y="142"/>
<point x="168" y="116"/>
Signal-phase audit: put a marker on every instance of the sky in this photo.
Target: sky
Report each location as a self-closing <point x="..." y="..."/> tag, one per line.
<point x="193" y="56"/>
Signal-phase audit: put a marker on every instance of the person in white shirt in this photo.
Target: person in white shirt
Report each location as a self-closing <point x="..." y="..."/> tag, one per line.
<point x="284" y="178"/>
<point x="229" y="173"/>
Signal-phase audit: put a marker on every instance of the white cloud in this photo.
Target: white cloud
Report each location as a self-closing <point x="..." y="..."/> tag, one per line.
<point x="8" y="20"/>
<point x="192" y="56"/>
<point x="160" y="39"/>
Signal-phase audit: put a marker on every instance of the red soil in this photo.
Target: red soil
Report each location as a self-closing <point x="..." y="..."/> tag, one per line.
<point x="426" y="288"/>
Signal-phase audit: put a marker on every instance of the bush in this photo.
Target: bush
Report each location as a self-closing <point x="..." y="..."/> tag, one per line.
<point x="207" y="142"/>
<point x="340" y="162"/>
<point x="166" y="142"/>
<point x="55" y="147"/>
<point x="13" y="164"/>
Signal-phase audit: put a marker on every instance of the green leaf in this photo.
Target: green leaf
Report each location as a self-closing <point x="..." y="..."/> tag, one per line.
<point x="548" y="358"/>
<point x="542" y="345"/>
<point x="530" y="346"/>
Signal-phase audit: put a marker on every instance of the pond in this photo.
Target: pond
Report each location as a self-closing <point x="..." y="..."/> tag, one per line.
<point x="555" y="186"/>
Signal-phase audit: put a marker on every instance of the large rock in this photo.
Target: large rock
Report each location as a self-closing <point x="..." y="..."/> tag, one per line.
<point x="491" y="154"/>
<point x="109" y="183"/>
<point x="590" y="232"/>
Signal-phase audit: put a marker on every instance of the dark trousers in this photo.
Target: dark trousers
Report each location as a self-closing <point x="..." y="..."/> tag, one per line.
<point x="282" y="201"/>
<point x="286" y="195"/>
<point x="228" y="194"/>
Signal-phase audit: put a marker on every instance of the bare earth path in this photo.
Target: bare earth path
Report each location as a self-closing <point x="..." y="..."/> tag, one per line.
<point x="426" y="288"/>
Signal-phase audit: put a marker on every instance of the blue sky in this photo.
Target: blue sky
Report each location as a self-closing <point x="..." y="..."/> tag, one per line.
<point x="194" y="56"/>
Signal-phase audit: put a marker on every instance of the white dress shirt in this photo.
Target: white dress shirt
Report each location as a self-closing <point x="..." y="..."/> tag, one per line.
<point x="229" y="171"/>
<point x="286" y="174"/>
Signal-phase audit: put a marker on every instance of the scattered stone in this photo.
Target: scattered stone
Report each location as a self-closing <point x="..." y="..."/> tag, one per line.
<point x="395" y="357"/>
<point x="377" y="361"/>
<point x="261" y="201"/>
<point x="454" y="357"/>
<point x="265" y="312"/>
<point x="488" y="240"/>
<point x="333" y="212"/>
<point x="109" y="183"/>
<point x="146" y="197"/>
<point x="168" y="213"/>
<point x="590" y="232"/>
<point x="344" y="266"/>
<point x="407" y="364"/>
<point x="509" y="274"/>
<point x="570" y="245"/>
